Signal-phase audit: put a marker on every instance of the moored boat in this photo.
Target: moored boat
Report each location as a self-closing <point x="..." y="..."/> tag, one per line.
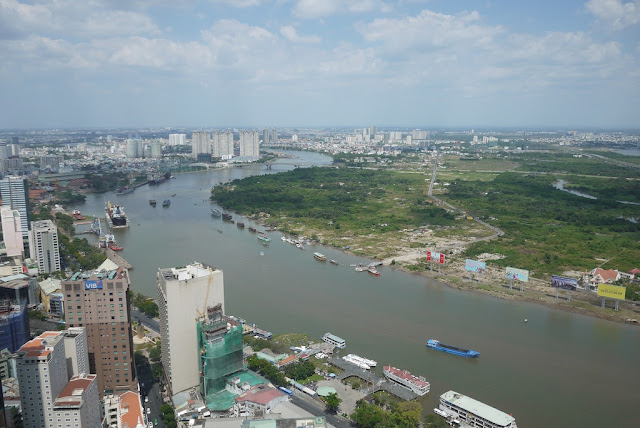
<point x="435" y="344"/>
<point x="77" y="215"/>
<point x="373" y="271"/>
<point x="152" y="202"/>
<point x="252" y="229"/>
<point x="262" y="236"/>
<point x="417" y="384"/>
<point x="334" y="340"/>
<point x="240" y="225"/>
<point x="214" y="212"/>
<point x="124" y="190"/>
<point x="226" y="216"/>
<point x="349" y="358"/>
<point x="115" y="216"/>
<point x="333" y="262"/>
<point x="320" y="256"/>
<point x="166" y="202"/>
<point x="473" y="413"/>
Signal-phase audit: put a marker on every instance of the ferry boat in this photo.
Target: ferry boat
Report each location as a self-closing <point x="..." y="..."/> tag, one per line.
<point x="214" y="212"/>
<point x="417" y="384"/>
<point x="360" y="360"/>
<point x="115" y="216"/>
<point x="124" y="190"/>
<point x="166" y="202"/>
<point x="152" y="202"/>
<point x="334" y="340"/>
<point x="435" y="344"/>
<point x="373" y="271"/>
<point x="349" y="358"/>
<point x="320" y="256"/>
<point x="473" y="413"/>
<point x="263" y="236"/>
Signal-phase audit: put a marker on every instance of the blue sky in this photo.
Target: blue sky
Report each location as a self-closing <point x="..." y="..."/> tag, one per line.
<point x="256" y="63"/>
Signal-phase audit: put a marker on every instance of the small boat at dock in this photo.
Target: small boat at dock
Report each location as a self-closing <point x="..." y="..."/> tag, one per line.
<point x="263" y="236"/>
<point x="240" y="225"/>
<point x="333" y="262"/>
<point x="214" y="212"/>
<point x="373" y="271"/>
<point x="252" y="229"/>
<point x="320" y="256"/>
<point x="226" y="216"/>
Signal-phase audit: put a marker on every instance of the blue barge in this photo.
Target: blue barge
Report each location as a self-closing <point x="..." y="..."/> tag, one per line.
<point x="435" y="344"/>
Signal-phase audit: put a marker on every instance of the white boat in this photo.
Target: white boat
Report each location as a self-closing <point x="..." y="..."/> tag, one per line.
<point x="368" y="362"/>
<point x="417" y="384"/>
<point x="320" y="256"/>
<point x="472" y="413"/>
<point x="349" y="358"/>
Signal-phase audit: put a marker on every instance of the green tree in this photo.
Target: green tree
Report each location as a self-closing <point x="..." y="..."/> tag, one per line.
<point x="370" y="416"/>
<point x="157" y="371"/>
<point x="434" y="421"/>
<point x="155" y="354"/>
<point x="407" y="414"/>
<point x="332" y="402"/>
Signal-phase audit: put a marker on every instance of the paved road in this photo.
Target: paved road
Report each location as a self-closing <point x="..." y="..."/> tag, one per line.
<point x="317" y="408"/>
<point x="150" y="390"/>
<point x="140" y="317"/>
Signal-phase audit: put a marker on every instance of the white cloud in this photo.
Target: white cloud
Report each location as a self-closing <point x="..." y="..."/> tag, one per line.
<point x="615" y="13"/>
<point x="311" y="9"/>
<point x="69" y="18"/>
<point x="290" y="33"/>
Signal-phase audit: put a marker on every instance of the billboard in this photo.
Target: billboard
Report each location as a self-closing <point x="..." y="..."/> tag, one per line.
<point x="612" y="291"/>
<point x="519" y="274"/>
<point x="93" y="285"/>
<point x="434" y="257"/>
<point x="475" y="266"/>
<point x="564" y="282"/>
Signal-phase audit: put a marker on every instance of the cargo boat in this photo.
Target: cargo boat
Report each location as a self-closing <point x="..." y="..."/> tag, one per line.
<point x="435" y="344"/>
<point x="152" y="202"/>
<point x="473" y="413"/>
<point x="320" y="256"/>
<point x="116" y="218"/>
<point x="124" y="190"/>
<point x="214" y="212"/>
<point x="334" y="340"/>
<point x="416" y="384"/>
<point x="157" y="179"/>
<point x="263" y="236"/>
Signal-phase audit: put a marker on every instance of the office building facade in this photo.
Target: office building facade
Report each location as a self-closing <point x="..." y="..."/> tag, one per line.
<point x="12" y="231"/>
<point x="99" y="301"/>
<point x="183" y="297"/>
<point x="15" y="194"/>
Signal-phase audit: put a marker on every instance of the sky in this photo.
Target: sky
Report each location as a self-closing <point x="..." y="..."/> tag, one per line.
<point x="320" y="63"/>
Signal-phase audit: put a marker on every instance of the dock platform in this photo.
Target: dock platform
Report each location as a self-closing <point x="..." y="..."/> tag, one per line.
<point x="117" y="259"/>
<point x="379" y="383"/>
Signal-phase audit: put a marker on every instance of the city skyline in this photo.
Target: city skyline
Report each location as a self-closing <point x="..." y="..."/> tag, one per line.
<point x="276" y="63"/>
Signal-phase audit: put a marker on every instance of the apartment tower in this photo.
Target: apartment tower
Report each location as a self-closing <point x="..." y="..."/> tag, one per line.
<point x="183" y="297"/>
<point x="99" y="301"/>
<point x="43" y="246"/>
<point x="15" y="194"/>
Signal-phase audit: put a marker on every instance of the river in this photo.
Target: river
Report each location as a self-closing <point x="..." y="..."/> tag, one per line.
<point x="558" y="369"/>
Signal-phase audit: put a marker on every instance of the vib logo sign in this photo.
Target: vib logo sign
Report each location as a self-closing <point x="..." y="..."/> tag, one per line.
<point x="93" y="285"/>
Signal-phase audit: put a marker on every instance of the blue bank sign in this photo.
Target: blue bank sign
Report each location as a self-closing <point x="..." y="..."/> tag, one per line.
<point x="93" y="285"/>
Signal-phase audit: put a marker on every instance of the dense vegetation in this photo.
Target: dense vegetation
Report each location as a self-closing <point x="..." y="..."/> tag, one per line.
<point x="380" y="415"/>
<point x="78" y="254"/>
<point x="65" y="223"/>
<point x="613" y="189"/>
<point x="105" y="182"/>
<point x="548" y="230"/>
<point x="66" y="197"/>
<point x="266" y="369"/>
<point x="145" y="304"/>
<point x="353" y="199"/>
<point x="566" y="163"/>
<point x="300" y="370"/>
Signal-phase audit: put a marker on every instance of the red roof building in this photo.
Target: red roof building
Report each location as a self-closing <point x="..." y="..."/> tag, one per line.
<point x="258" y="401"/>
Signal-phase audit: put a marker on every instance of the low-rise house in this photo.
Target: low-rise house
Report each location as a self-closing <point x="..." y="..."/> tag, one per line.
<point x="259" y="400"/>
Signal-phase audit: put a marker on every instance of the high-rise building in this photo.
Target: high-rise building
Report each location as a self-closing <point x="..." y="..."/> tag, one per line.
<point x="177" y="139"/>
<point x="43" y="246"/>
<point x="274" y="135"/>
<point x="99" y="301"/>
<point x="183" y="297"/>
<point x="12" y="231"/>
<point x="200" y="143"/>
<point x="55" y="389"/>
<point x="156" y="149"/>
<point x="123" y="410"/>
<point x="50" y="162"/>
<point x="249" y="144"/>
<point x="223" y="145"/>
<point x="373" y="130"/>
<point x="265" y="136"/>
<point x="14" y="325"/>
<point x="4" y="151"/>
<point x="133" y="148"/>
<point x="15" y="194"/>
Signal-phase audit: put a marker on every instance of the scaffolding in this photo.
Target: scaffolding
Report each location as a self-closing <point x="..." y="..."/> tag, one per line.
<point x="220" y="345"/>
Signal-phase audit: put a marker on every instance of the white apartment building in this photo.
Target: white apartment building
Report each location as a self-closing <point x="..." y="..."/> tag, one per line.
<point x="200" y="143"/>
<point x="223" y="145"/>
<point x="43" y="246"/>
<point x="52" y="393"/>
<point x="12" y="231"/>
<point x="14" y="193"/>
<point x="183" y="296"/>
<point x="177" y="139"/>
<point x="250" y="144"/>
